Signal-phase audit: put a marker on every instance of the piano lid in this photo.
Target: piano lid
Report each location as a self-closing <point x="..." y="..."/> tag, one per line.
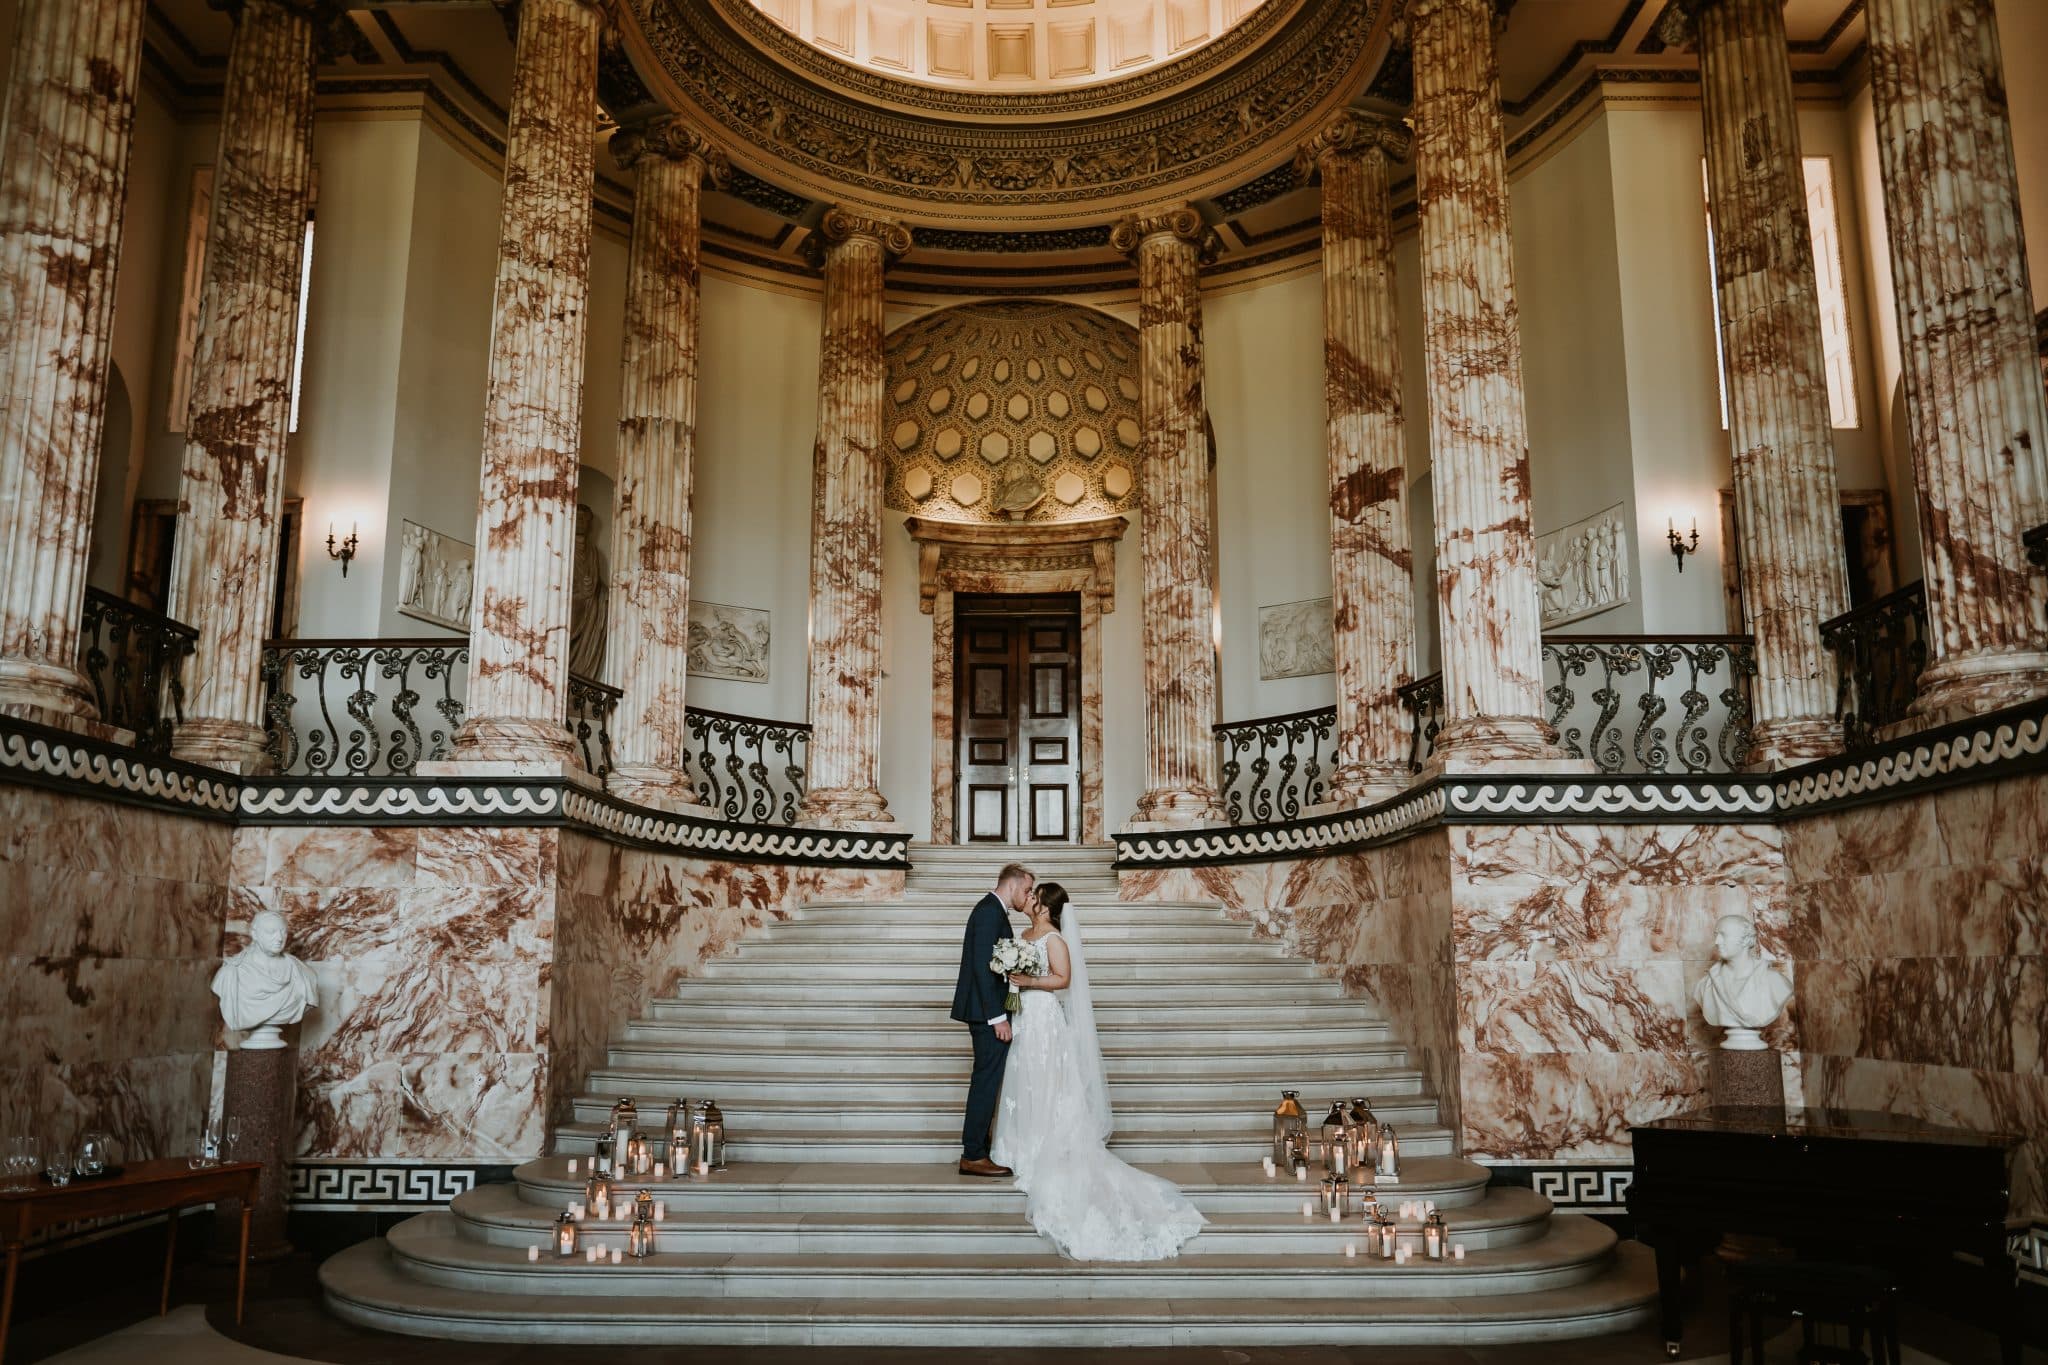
<point x="1868" y="1124"/>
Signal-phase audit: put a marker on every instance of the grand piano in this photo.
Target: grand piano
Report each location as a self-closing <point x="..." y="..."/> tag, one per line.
<point x="1855" y="1184"/>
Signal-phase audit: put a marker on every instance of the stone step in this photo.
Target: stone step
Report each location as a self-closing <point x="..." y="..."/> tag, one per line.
<point x="953" y="907"/>
<point x="1121" y="975"/>
<point x="802" y="927"/>
<point x="1164" y="955"/>
<point x="857" y="998"/>
<point x="934" y="1029"/>
<point x="1250" y="1094"/>
<point x="364" y="1285"/>
<point x="432" y="1249"/>
<point x="713" y="1057"/>
<point x="755" y="1186"/>
<point x="1209" y="1009"/>
<point x="761" y="1144"/>
<point x="886" y="1110"/>
<point x="497" y="1215"/>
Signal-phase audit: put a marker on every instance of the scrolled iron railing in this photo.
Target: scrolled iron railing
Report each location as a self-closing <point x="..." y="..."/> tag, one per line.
<point x="1275" y="766"/>
<point x="1633" y="704"/>
<point x="591" y="705"/>
<point x="134" y="658"/>
<point x="361" y="708"/>
<point x="1880" y="649"/>
<point x="749" y="769"/>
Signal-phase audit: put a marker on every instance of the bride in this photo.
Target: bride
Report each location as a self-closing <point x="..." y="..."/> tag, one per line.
<point x="1054" y="1118"/>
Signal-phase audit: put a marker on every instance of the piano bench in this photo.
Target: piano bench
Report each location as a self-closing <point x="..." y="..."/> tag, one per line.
<point x="1860" y="1299"/>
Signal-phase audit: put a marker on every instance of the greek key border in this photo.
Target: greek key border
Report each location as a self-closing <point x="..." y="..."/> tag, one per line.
<point x="385" y="1186"/>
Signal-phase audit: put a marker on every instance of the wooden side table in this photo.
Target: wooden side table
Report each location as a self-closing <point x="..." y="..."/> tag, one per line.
<point x="162" y="1186"/>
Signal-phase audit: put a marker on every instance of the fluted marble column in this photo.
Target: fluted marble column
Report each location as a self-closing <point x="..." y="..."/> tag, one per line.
<point x="1372" y="596"/>
<point x="1478" y="432"/>
<point x="533" y="415"/>
<point x="1974" y="399"/>
<point x="650" y="598"/>
<point x="1781" y="438"/>
<point x="69" y="120"/>
<point x="846" y="528"/>
<point x="224" y="570"/>
<point x="1180" y="659"/>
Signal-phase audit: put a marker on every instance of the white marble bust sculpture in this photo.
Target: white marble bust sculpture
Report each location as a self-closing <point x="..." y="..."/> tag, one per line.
<point x="263" y="987"/>
<point x="1740" y="993"/>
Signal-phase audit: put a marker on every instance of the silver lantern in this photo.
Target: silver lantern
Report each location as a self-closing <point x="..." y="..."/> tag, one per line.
<point x="675" y="1133"/>
<point x="597" y="1195"/>
<point x="1434" y="1242"/>
<point x="1336" y="1194"/>
<point x="1364" y="1130"/>
<point x="1336" y="1145"/>
<point x="565" y="1235"/>
<point x="1390" y="1155"/>
<point x="625" y="1118"/>
<point x="1290" y="1130"/>
<point x="713" y="1142"/>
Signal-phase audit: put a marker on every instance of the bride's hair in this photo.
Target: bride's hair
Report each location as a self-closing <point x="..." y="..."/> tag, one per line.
<point x="1053" y="897"/>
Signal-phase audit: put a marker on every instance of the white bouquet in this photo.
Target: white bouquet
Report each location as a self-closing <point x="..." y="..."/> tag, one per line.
<point x="1015" y="955"/>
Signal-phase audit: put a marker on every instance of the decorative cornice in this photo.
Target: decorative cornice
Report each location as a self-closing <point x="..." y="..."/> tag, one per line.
<point x="1183" y="224"/>
<point x="946" y="158"/>
<point x="947" y="548"/>
<point x="1354" y="134"/>
<point x="2005" y="744"/>
<point x="669" y="136"/>
<point x="40" y="756"/>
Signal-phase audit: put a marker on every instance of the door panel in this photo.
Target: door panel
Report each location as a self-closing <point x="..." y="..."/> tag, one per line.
<point x="1018" y="718"/>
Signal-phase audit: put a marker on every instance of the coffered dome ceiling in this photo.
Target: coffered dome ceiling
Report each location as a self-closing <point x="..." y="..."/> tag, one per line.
<point x="1007" y="44"/>
<point x="979" y="155"/>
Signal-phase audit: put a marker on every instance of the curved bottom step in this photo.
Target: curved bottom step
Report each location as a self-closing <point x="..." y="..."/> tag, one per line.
<point x="363" y="1285"/>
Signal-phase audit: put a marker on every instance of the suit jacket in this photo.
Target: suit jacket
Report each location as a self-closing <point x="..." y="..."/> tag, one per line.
<point x="980" y="995"/>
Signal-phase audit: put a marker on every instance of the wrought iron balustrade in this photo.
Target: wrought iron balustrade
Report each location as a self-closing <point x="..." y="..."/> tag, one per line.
<point x="1880" y="649"/>
<point x="1611" y="699"/>
<point x="591" y="704"/>
<point x="135" y="659"/>
<point x="749" y="769"/>
<point x="361" y="708"/>
<point x="1275" y="766"/>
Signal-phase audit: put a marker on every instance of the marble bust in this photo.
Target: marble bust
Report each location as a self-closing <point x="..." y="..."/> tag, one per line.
<point x="263" y="987"/>
<point x="1740" y="993"/>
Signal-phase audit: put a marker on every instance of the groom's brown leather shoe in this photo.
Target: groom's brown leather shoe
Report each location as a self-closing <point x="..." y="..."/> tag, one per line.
<point x="983" y="1166"/>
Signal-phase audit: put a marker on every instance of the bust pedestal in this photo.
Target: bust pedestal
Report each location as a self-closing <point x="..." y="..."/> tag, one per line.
<point x="1746" y="1072"/>
<point x="261" y="1090"/>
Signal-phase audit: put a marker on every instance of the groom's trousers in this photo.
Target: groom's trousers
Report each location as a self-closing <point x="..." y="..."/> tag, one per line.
<point x="990" y="1055"/>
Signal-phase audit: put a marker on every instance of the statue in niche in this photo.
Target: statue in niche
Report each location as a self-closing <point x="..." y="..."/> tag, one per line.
<point x="586" y="602"/>
<point x="1740" y="993"/>
<point x="262" y="988"/>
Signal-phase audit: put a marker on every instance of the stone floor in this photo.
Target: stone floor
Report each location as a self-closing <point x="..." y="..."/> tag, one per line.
<point x="287" y="1326"/>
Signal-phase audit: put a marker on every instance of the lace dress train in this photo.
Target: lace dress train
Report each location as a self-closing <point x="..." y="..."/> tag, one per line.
<point x="1089" y="1203"/>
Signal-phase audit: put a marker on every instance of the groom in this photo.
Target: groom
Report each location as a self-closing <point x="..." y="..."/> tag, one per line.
<point x="978" y="1002"/>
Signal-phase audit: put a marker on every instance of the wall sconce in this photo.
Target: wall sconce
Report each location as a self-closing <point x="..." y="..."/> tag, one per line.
<point x="1681" y="546"/>
<point x="343" y="552"/>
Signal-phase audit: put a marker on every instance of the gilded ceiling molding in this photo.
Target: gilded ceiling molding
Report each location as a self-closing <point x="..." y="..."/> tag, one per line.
<point x="941" y="158"/>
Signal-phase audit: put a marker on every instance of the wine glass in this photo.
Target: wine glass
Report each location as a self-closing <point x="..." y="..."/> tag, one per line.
<point x="23" y="1158"/>
<point x="234" y="1137"/>
<point x="58" y="1168"/>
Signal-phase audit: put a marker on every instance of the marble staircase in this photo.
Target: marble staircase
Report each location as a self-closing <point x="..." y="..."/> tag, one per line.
<point x="825" y="1041"/>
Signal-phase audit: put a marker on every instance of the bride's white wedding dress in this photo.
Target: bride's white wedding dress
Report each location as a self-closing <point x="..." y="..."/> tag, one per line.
<point x="1051" y="1128"/>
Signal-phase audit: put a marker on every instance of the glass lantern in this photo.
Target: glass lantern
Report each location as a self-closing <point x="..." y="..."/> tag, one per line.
<point x="1369" y="1203"/>
<point x="597" y="1195"/>
<point x="1384" y="1239"/>
<point x="712" y="1143"/>
<point x="639" y="1155"/>
<point x="643" y="1207"/>
<point x="565" y="1234"/>
<point x="1364" y="1129"/>
<point x="1290" y="1130"/>
<point x="93" y="1157"/>
<point x="625" y="1118"/>
<point x="1389" y="1167"/>
<point x="640" y="1241"/>
<point x="1433" y="1236"/>
<point x="675" y="1133"/>
<point x="1336" y="1146"/>
<point x="1336" y="1194"/>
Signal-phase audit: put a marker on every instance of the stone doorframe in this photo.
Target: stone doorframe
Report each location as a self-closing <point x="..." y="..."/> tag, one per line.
<point x="973" y="557"/>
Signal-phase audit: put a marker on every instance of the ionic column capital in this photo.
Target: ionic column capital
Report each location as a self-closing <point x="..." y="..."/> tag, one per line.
<point x="1183" y="224"/>
<point x="1678" y="26"/>
<point x="1495" y="12"/>
<point x="1351" y="134"/>
<point x="671" y="138"/>
<point x="842" y="224"/>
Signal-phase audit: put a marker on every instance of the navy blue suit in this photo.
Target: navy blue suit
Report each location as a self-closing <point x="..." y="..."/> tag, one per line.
<point x="978" y="998"/>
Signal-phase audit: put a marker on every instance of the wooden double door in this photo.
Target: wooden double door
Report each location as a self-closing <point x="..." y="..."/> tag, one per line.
<point x="1017" y="715"/>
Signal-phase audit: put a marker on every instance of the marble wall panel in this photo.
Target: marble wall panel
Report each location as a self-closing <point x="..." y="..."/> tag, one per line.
<point x="111" y="920"/>
<point x="1921" y="926"/>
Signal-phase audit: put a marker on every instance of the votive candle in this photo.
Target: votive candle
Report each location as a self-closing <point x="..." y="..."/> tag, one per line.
<point x="1351" y="1251"/>
<point x="703" y="1169"/>
<point x="1308" y="1210"/>
<point x="572" y="1165"/>
<point x="533" y="1253"/>
<point x="1301" y="1173"/>
<point x="618" y="1256"/>
<point x="661" y="1210"/>
<point x="660" y="1171"/>
<point x="1336" y="1215"/>
<point x="1457" y="1251"/>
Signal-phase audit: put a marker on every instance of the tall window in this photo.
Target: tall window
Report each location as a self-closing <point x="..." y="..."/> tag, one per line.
<point x="1838" y="354"/>
<point x="196" y="223"/>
